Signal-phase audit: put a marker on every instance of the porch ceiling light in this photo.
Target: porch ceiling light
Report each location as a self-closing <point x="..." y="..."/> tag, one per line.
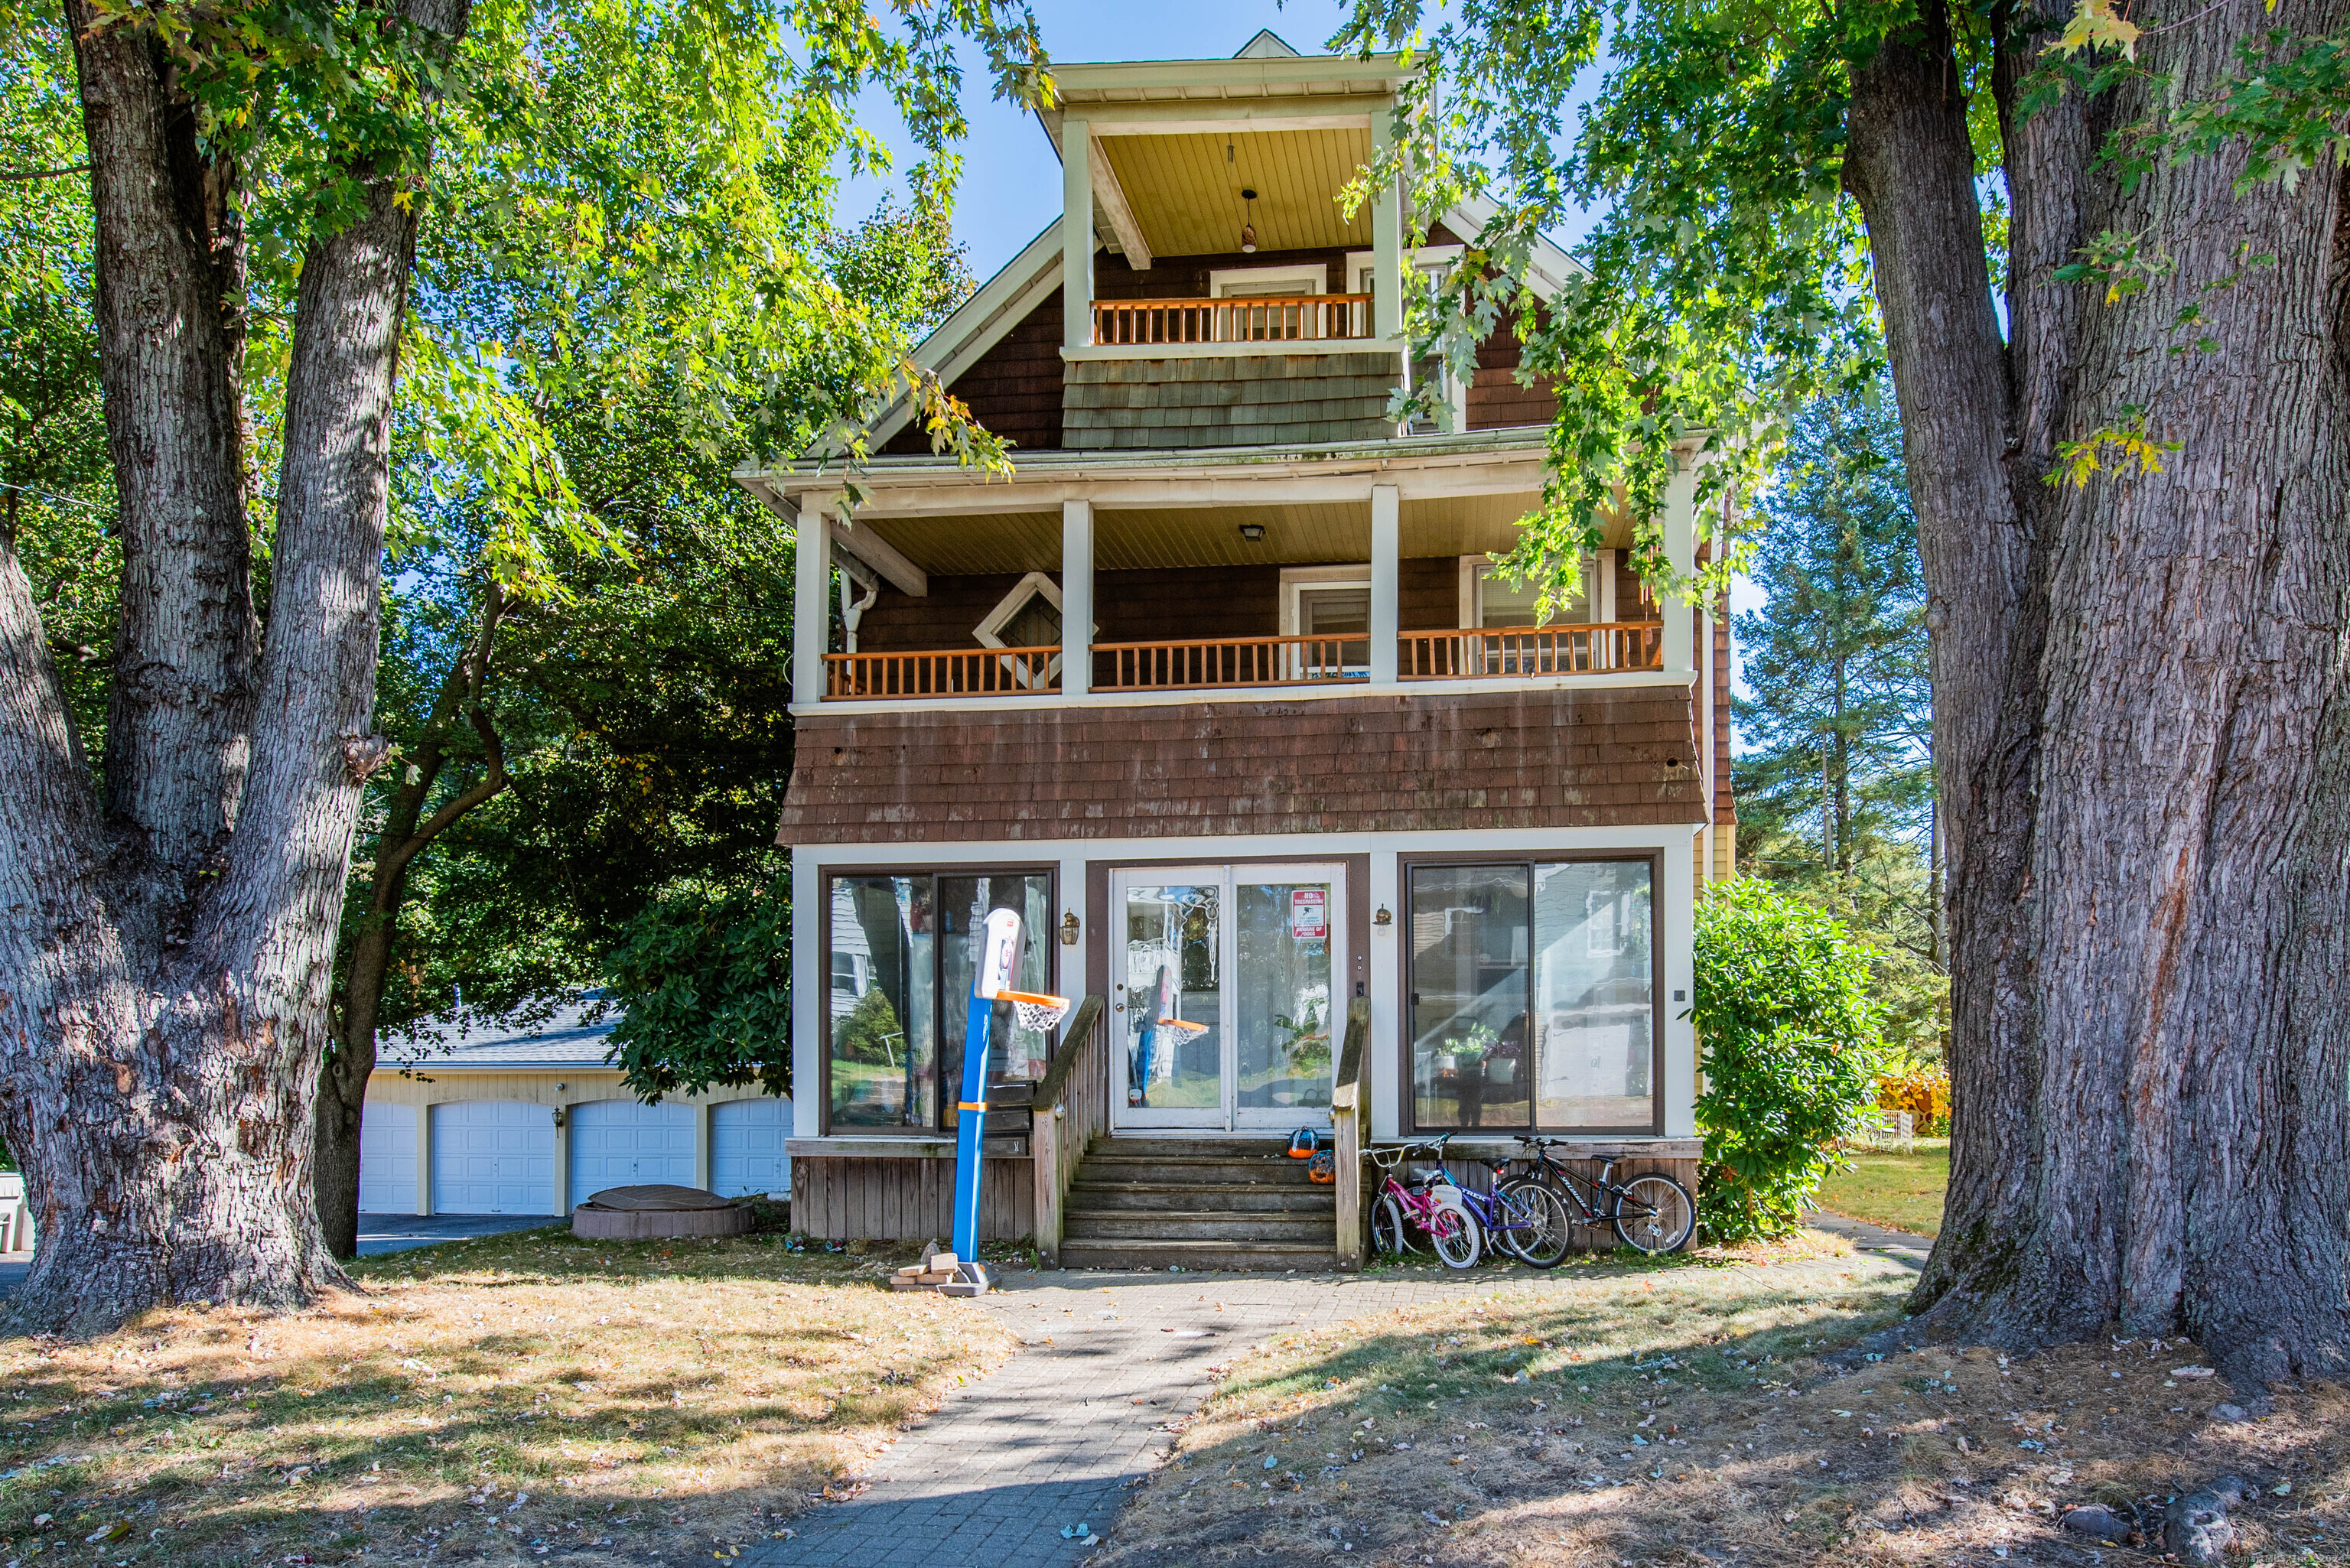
<point x="1248" y="223"/>
<point x="1252" y="532"/>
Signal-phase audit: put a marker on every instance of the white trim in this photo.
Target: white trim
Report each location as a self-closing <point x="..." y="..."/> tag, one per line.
<point x="1606" y="595"/>
<point x="1079" y="241"/>
<point x="1347" y="575"/>
<point x="1593" y="680"/>
<point x="1317" y="276"/>
<point x="989" y="630"/>
<point x="1111" y="196"/>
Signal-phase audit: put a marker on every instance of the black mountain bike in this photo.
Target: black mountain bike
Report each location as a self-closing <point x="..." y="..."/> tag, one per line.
<point x="1652" y="1213"/>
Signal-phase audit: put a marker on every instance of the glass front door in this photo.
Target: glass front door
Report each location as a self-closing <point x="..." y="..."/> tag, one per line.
<point x="1224" y="993"/>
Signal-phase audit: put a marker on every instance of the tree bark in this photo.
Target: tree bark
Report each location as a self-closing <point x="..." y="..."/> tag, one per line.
<point x="343" y="1080"/>
<point x="166" y="963"/>
<point x="2141" y="736"/>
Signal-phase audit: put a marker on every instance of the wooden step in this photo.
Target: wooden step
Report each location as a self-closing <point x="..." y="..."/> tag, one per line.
<point x="1270" y="1199"/>
<point x="1255" y="1256"/>
<point x="1315" y="1230"/>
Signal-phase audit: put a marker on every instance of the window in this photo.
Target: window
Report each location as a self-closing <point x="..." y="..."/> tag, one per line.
<point x="896" y="1010"/>
<point x="1431" y="262"/>
<point x="1267" y="282"/>
<point x="1534" y="1000"/>
<point x="1027" y="616"/>
<point x="1489" y="598"/>
<point x="1332" y="604"/>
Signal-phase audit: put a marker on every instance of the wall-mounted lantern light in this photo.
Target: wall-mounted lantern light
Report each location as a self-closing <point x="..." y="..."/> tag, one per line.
<point x="1383" y="918"/>
<point x="558" y="1115"/>
<point x="1069" y="929"/>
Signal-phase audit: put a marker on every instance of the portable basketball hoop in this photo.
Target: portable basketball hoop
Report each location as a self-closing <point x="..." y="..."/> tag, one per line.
<point x="1183" y="1024"/>
<point x="1034" y="1009"/>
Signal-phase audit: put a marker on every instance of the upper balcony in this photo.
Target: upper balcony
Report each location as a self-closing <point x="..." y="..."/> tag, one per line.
<point x="1339" y="571"/>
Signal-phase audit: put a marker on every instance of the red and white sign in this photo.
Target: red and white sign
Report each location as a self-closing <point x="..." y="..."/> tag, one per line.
<point x="1309" y="913"/>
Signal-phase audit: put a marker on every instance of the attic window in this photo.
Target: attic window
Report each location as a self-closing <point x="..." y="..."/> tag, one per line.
<point x="1027" y="616"/>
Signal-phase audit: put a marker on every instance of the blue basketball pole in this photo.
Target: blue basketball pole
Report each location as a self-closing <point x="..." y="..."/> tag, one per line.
<point x="993" y="974"/>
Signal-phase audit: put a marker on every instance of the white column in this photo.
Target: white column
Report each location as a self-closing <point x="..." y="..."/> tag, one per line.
<point x="1076" y="234"/>
<point x="1387" y="535"/>
<point x="811" y="604"/>
<point x="1076" y="598"/>
<point x="1385" y="1048"/>
<point x="1603" y="608"/>
<point x="1387" y="243"/>
<point x="1680" y="549"/>
<point x="1676" y="904"/>
<point x="1076" y="979"/>
<point x="424" y="1159"/>
<point x="809" y="911"/>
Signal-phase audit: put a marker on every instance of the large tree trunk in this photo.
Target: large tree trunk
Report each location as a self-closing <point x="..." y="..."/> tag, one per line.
<point x="367" y="964"/>
<point x="2141" y="742"/>
<point x="167" y="964"/>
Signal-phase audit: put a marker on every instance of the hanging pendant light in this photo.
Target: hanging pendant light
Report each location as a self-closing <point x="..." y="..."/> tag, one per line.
<point x="1248" y="226"/>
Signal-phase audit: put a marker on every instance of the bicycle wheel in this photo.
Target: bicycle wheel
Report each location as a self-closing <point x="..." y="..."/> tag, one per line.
<point x="1391" y="1237"/>
<point x="1540" y="1227"/>
<point x="1654" y="1214"/>
<point x="1458" y="1240"/>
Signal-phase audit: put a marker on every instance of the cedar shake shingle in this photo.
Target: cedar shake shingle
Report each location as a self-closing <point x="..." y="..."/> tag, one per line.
<point x="1583" y="758"/>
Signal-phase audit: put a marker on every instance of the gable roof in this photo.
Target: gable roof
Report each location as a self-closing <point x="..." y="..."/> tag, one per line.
<point x="576" y="1033"/>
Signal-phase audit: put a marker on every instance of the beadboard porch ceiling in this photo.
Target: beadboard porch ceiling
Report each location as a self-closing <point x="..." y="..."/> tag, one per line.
<point x="1186" y="192"/>
<point x="1131" y="539"/>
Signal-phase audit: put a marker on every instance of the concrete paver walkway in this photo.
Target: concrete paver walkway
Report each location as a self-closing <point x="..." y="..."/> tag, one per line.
<point x="1865" y="1235"/>
<point x="1053" y="1439"/>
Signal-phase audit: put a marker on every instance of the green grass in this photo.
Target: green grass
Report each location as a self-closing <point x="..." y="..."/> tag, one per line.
<point x="1890" y="1188"/>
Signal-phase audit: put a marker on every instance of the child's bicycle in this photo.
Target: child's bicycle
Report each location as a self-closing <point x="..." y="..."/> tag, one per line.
<point x="1435" y="1206"/>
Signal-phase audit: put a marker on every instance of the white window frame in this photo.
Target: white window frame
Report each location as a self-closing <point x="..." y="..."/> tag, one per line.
<point x="1472" y="591"/>
<point x="991" y="630"/>
<point x="1220" y="278"/>
<point x="1347" y="575"/>
<point x="1363" y="278"/>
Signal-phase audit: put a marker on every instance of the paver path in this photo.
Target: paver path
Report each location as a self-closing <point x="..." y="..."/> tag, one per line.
<point x="1107" y="1360"/>
<point x="1865" y="1235"/>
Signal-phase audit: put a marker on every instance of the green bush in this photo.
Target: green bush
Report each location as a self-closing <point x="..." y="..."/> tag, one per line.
<point x="702" y="980"/>
<point x="1793" y="1041"/>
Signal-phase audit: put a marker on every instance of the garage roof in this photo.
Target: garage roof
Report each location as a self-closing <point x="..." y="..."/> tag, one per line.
<point x="574" y="1034"/>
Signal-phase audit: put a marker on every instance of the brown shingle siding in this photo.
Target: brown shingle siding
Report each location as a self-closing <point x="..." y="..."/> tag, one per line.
<point x="1014" y="389"/>
<point x="1498" y="759"/>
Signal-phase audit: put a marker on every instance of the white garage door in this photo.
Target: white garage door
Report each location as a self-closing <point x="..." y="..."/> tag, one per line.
<point x="387" y="1158"/>
<point x="621" y="1143"/>
<point x="746" y="1146"/>
<point x="493" y="1156"/>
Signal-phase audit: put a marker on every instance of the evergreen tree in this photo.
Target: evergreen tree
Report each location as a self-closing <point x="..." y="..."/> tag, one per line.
<point x="1836" y="793"/>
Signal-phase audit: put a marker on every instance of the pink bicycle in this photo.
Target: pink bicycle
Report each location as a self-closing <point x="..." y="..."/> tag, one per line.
<point x="1434" y="1207"/>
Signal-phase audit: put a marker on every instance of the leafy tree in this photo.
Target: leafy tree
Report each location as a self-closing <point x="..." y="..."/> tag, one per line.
<point x="2103" y="259"/>
<point x="269" y="186"/>
<point x="1784" y="1007"/>
<point x="702" y="982"/>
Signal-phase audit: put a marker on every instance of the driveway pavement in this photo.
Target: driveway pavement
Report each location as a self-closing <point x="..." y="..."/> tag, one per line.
<point x="400" y="1232"/>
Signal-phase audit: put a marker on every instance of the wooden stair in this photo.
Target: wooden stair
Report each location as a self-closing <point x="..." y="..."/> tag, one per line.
<point x="1197" y="1203"/>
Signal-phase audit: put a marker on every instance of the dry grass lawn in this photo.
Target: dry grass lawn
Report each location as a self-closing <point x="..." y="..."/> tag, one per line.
<point x="1889" y="1187"/>
<point x="1679" y="1416"/>
<point x="521" y="1399"/>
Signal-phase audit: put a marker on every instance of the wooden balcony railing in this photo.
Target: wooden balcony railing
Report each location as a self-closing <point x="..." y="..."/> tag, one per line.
<point x="1504" y="652"/>
<point x="1209" y="663"/>
<point x="951" y="672"/>
<point x="1230" y="662"/>
<point x="1281" y="318"/>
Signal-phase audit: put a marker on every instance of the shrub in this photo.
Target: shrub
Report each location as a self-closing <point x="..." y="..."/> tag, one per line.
<point x="1923" y="1089"/>
<point x="1792" y="1046"/>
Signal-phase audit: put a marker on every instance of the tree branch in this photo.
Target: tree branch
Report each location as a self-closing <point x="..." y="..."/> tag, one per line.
<point x="19" y="176"/>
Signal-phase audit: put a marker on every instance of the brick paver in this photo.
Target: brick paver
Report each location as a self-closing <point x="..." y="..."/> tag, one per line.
<point x="1107" y="1361"/>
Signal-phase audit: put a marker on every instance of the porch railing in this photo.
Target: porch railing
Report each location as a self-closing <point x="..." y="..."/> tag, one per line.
<point x="1279" y="319"/>
<point x="1230" y="662"/>
<point x="1559" y="649"/>
<point x="946" y="672"/>
<point x="1072" y="1110"/>
<point x="1348" y="1116"/>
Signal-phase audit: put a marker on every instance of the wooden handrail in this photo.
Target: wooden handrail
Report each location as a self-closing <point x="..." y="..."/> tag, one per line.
<point x="941" y="673"/>
<point x="1561" y="649"/>
<point x="1071" y="1108"/>
<point x="1267" y="318"/>
<point x="1190" y="663"/>
<point x="1347" y="1111"/>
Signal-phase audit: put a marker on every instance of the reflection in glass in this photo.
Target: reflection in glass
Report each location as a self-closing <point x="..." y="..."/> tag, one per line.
<point x="1283" y="981"/>
<point x="1174" y="998"/>
<point x="1593" y="994"/>
<point x="964" y="904"/>
<point x="884" y="1035"/>
<point x="1469" y="1066"/>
